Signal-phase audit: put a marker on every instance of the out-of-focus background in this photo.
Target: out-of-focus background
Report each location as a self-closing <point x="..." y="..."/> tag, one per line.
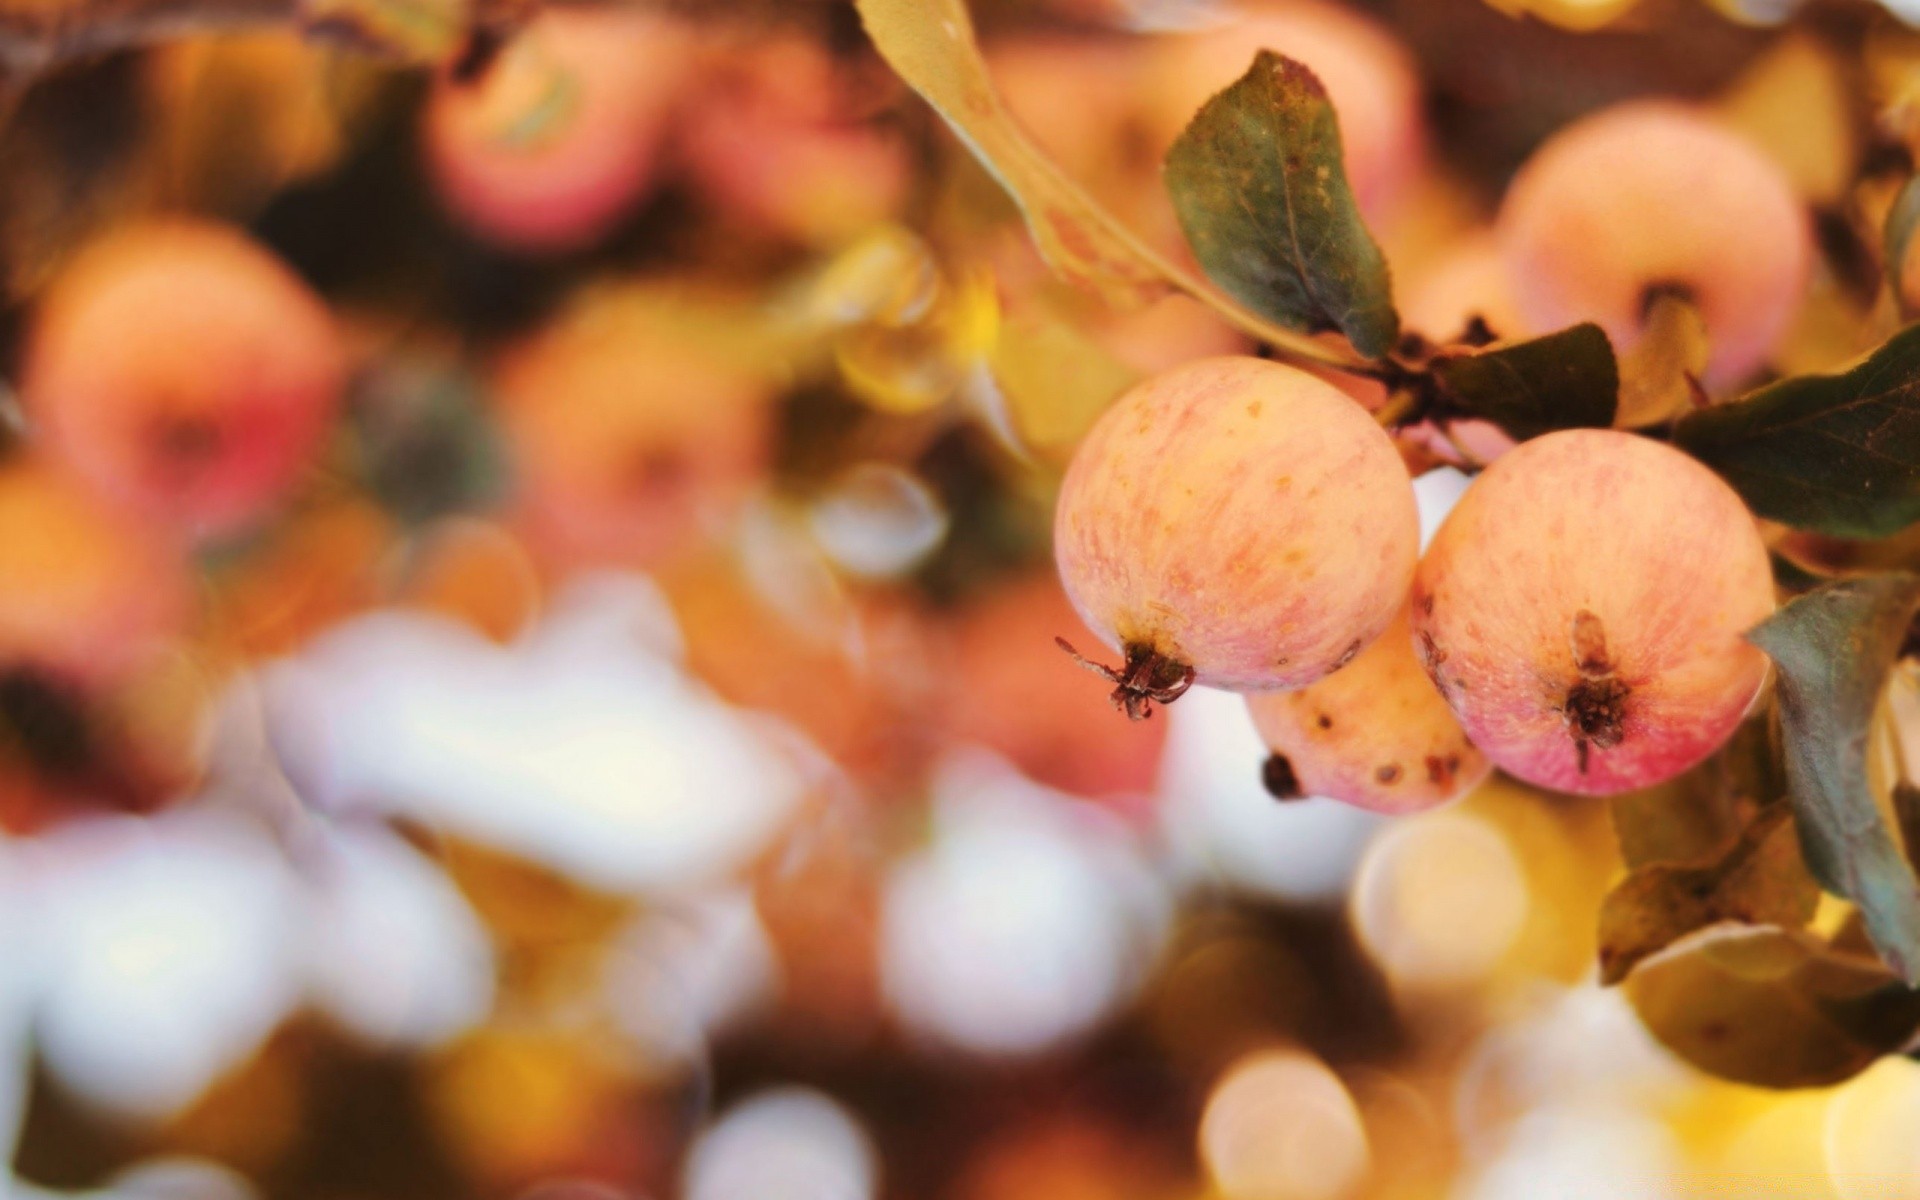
<point x="526" y="630"/>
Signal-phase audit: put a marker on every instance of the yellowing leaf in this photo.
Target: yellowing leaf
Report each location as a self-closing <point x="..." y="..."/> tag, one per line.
<point x="1771" y="1007"/>
<point x="1794" y="102"/>
<point x="1660" y="376"/>
<point x="1053" y="381"/>
<point x="931" y="44"/>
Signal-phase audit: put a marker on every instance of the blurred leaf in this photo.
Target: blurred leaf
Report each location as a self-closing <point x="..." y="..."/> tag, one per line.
<point x="1899" y="246"/>
<point x="243" y="116"/>
<point x="1834" y="648"/>
<point x="1660" y="376"/>
<point x="1772" y="1008"/>
<point x="1565" y="380"/>
<point x="1760" y="880"/>
<point x="424" y="32"/>
<point x="76" y="154"/>
<point x="1051" y="382"/>
<point x="1690" y="820"/>
<point x="930" y="43"/>
<point x="1262" y="194"/>
<point x="1796" y="103"/>
<point x="425" y="444"/>
<point x="1838" y="454"/>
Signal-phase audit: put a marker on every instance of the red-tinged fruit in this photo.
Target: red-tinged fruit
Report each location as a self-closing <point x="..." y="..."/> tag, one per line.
<point x="1375" y="734"/>
<point x="1015" y="695"/>
<point x="1237" y="523"/>
<point x="629" y="440"/>
<point x="184" y="373"/>
<point x="560" y="136"/>
<point x="780" y="141"/>
<point x="1653" y="195"/>
<point x="88" y="597"/>
<point x="1582" y="609"/>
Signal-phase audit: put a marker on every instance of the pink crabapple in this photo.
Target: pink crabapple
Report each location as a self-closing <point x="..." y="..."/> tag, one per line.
<point x="1375" y="734"/>
<point x="1582" y="609"/>
<point x="183" y="372"/>
<point x="1653" y="195"/>
<point x="777" y="139"/>
<point x="1237" y="523"/>
<point x="561" y="134"/>
<point x="630" y="442"/>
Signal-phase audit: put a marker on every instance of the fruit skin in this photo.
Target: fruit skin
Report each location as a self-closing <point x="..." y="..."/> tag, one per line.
<point x="88" y="594"/>
<point x="183" y="372"/>
<point x="1236" y="522"/>
<point x="1653" y="194"/>
<point x="1582" y="610"/>
<point x="1375" y="733"/>
<point x="780" y="140"/>
<point x="562" y="134"/>
<point x="630" y="441"/>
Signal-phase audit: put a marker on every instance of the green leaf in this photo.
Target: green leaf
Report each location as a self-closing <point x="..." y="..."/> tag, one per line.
<point x="1565" y="380"/>
<point x="1258" y="185"/>
<point x="1773" y="1007"/>
<point x="1834" y="648"/>
<point x="1837" y="454"/>
<point x="930" y="44"/>
<point x="425" y="446"/>
<point x="1758" y="880"/>
<point x="1691" y="820"/>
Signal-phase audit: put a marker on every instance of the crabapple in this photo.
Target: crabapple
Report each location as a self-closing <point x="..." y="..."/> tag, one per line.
<point x="1652" y="195"/>
<point x="554" y="143"/>
<point x="1582" y="610"/>
<point x="89" y="596"/>
<point x="1058" y="733"/>
<point x="628" y="439"/>
<point x="1372" y="81"/>
<point x="1375" y="734"/>
<point x="777" y="140"/>
<point x="184" y="372"/>
<point x="1234" y="522"/>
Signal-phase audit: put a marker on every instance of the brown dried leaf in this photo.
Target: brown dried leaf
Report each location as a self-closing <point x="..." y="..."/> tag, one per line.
<point x="1660" y="376"/>
<point x="1759" y="880"/>
<point x="1772" y="1007"/>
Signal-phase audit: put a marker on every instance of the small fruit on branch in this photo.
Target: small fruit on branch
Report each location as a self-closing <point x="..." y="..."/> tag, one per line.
<point x="1237" y="523"/>
<point x="1375" y="733"/>
<point x="1582" y="610"/>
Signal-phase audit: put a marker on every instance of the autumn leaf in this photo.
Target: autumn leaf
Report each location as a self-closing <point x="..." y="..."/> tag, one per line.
<point x="1565" y="380"/>
<point x="1835" y="647"/>
<point x="1258" y="183"/>
<point x="1836" y="454"/>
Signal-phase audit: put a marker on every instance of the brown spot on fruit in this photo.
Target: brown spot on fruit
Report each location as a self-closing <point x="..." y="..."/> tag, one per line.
<point x="1439" y="770"/>
<point x="1388" y="774"/>
<point x="1278" y="777"/>
<point x="1589" y="639"/>
<point x="1430" y="651"/>
<point x="1349" y="654"/>
<point x="1323" y="721"/>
